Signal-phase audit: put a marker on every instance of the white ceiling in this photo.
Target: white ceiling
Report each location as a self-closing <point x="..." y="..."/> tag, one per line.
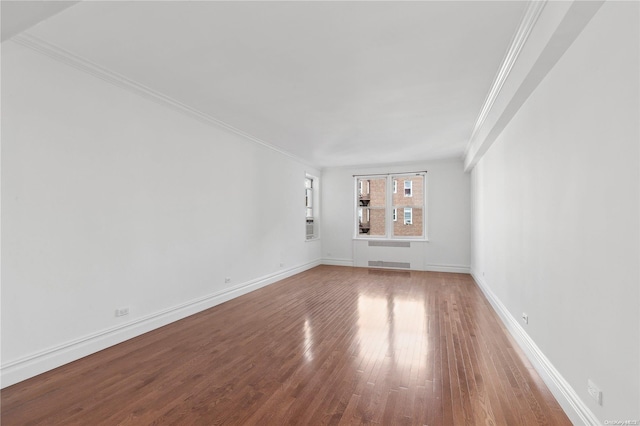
<point x="17" y="16"/>
<point x="334" y="83"/>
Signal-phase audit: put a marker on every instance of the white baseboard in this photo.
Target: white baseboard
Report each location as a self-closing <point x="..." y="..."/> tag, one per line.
<point x="456" y="269"/>
<point x="573" y="406"/>
<point x="31" y="365"/>
<point x="337" y="262"/>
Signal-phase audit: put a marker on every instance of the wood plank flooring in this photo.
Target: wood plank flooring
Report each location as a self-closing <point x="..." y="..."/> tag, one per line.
<point x="333" y="345"/>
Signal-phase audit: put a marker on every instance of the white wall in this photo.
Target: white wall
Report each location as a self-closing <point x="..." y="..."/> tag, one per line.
<point x="448" y="219"/>
<point x="556" y="217"/>
<point x="110" y="200"/>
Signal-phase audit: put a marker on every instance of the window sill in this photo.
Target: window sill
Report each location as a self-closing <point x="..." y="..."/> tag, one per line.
<point x="421" y="240"/>
<point x="308" y="240"/>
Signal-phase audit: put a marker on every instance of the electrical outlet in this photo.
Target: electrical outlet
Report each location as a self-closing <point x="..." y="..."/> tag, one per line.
<point x="122" y="312"/>
<point x="227" y="280"/>
<point x="525" y="318"/>
<point x="594" y="391"/>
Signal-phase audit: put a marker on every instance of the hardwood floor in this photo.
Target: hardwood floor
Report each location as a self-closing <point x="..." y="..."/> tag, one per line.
<point x="333" y="345"/>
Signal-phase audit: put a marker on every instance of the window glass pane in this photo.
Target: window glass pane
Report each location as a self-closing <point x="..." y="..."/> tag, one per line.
<point x="371" y="221"/>
<point x="372" y="192"/>
<point x="309" y="198"/>
<point x="364" y="227"/>
<point x="410" y="222"/>
<point x="371" y="206"/>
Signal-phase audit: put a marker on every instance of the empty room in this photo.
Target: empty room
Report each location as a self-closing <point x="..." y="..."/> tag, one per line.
<point x="320" y="212"/>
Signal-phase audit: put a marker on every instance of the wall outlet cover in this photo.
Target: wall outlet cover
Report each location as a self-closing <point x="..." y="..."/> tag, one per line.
<point x="594" y="391"/>
<point x="122" y="311"/>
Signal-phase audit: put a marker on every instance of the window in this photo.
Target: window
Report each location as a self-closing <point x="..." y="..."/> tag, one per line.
<point x="309" y="194"/>
<point x="408" y="188"/>
<point x="408" y="216"/>
<point x="384" y="212"/>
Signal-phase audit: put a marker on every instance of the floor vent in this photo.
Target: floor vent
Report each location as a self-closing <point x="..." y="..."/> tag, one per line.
<point x="389" y="244"/>
<point x="383" y="264"/>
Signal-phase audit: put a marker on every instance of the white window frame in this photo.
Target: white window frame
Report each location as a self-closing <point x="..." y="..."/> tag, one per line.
<point x="391" y="216"/>
<point x="309" y="192"/>
<point x="314" y="206"/>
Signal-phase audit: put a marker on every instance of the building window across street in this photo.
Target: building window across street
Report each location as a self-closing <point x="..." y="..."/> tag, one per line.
<point x="408" y="216"/>
<point x="408" y="188"/>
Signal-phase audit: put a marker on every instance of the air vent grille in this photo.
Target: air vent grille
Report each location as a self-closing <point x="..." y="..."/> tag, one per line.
<point x="389" y="244"/>
<point x="384" y="264"/>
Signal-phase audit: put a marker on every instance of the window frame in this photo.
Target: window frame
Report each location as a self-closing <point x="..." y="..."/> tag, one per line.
<point x="314" y="206"/>
<point x="309" y="194"/>
<point x="390" y="219"/>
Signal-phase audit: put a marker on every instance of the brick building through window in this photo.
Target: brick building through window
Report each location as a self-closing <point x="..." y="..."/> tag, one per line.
<point x="402" y="211"/>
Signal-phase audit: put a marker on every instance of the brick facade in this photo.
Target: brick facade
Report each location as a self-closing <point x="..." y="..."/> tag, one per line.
<point x="378" y="192"/>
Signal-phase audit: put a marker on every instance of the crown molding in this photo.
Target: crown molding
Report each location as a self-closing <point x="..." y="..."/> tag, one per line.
<point x="542" y="40"/>
<point x="455" y="158"/>
<point x="528" y="21"/>
<point x="64" y="56"/>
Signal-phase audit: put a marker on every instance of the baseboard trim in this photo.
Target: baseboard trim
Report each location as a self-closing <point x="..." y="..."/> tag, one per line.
<point x="456" y="269"/>
<point x="337" y="262"/>
<point x="573" y="406"/>
<point x="37" y="363"/>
